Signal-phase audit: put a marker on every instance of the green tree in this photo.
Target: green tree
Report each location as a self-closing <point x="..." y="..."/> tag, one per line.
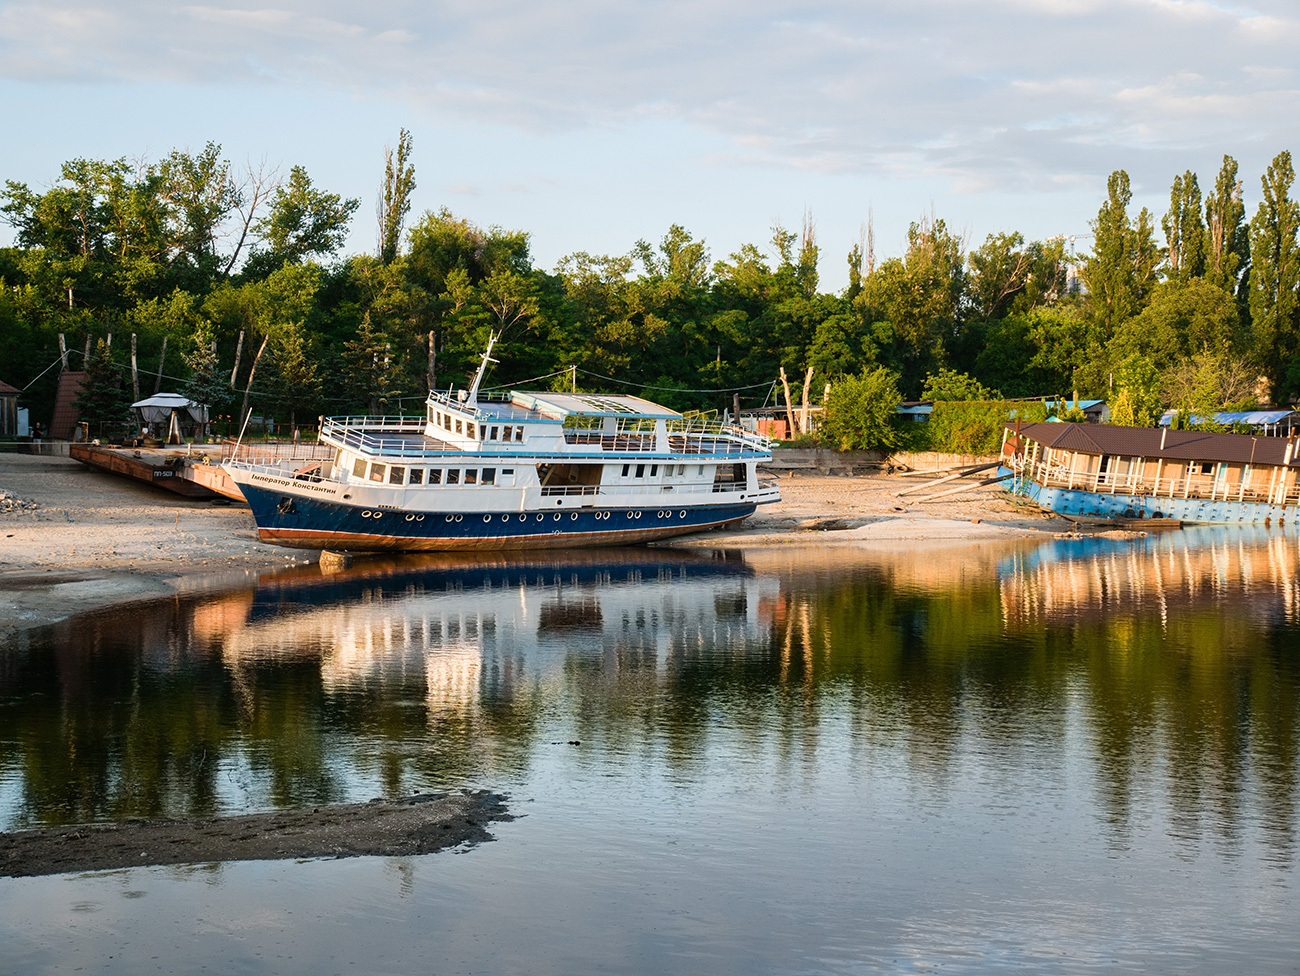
<point x="948" y="384"/>
<point x="1136" y="401"/>
<point x="304" y="222"/>
<point x="1123" y="266"/>
<point x="861" y="412"/>
<point x="395" y="196"/>
<point x="208" y="383"/>
<point x="102" y="401"/>
<point x="1275" y="274"/>
<point x="1183" y="318"/>
<point x="1227" y="238"/>
<point x="1184" y="230"/>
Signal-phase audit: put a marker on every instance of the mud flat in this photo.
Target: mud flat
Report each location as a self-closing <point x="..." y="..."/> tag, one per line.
<point x="386" y="828"/>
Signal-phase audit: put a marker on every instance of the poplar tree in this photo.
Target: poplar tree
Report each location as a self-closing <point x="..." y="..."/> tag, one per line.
<point x="1123" y="266"/>
<point x="1185" y="229"/>
<point x="395" y="196"/>
<point x="1275" y="271"/>
<point x="1227" y="238"/>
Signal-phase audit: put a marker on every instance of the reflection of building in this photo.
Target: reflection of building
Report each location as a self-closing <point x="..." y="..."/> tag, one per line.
<point x="1183" y="572"/>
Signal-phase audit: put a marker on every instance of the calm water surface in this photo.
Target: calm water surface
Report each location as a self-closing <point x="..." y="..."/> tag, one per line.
<point x="1079" y="757"/>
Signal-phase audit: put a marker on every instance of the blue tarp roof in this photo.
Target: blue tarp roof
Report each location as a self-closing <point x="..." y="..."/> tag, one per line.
<point x="1253" y="417"/>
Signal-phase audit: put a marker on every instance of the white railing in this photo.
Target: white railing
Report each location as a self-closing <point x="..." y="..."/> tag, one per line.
<point x="372" y="435"/>
<point x="1201" y="487"/>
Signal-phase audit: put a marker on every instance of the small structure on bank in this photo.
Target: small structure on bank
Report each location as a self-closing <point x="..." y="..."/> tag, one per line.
<point x="172" y="415"/>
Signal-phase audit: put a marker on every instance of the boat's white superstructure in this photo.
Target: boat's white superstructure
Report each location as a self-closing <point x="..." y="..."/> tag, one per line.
<point x="513" y="470"/>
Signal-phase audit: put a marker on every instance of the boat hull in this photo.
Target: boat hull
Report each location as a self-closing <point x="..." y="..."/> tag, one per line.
<point x="1088" y="504"/>
<point x="314" y="523"/>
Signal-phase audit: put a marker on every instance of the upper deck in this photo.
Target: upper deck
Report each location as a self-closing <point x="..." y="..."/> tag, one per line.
<point x="543" y="424"/>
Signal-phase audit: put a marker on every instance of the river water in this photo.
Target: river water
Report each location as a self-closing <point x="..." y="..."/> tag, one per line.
<point x="1067" y="757"/>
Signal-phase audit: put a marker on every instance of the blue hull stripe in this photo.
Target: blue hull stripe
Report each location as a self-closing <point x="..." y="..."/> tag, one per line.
<point x="310" y="523"/>
<point x="1088" y="504"/>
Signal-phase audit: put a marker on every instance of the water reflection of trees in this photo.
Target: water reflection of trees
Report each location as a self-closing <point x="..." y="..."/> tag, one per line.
<point x="1176" y="666"/>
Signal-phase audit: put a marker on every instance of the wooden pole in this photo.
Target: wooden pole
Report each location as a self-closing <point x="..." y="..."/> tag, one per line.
<point x="433" y="362"/>
<point x="63" y="354"/>
<point x="239" y="350"/>
<point x="803" y="411"/>
<point x="978" y="484"/>
<point x="162" y="357"/>
<point x="135" y="372"/>
<point x="952" y="477"/>
<point x="86" y="356"/>
<point x="243" y="410"/>
<point x="789" y="410"/>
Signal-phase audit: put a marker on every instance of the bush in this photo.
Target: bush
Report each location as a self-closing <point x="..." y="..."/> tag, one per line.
<point x="975" y="426"/>
<point x="861" y="412"/>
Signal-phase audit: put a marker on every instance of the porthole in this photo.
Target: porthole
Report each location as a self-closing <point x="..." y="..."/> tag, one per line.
<point x="637" y="515"/>
<point x="459" y="517"/>
<point x="410" y="518"/>
<point x="505" y="518"/>
<point x="682" y="513"/>
<point x="419" y="518"/>
<point x="377" y="515"/>
<point x="487" y="518"/>
<point x="556" y="516"/>
<point x="573" y="516"/>
<point x="630" y="515"/>
<point x="540" y="516"/>
<point x="365" y="515"/>
<point x="449" y="518"/>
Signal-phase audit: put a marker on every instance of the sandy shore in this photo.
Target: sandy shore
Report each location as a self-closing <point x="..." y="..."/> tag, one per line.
<point x="74" y="539"/>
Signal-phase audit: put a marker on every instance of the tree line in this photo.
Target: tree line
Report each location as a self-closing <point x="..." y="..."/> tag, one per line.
<point x="233" y="285"/>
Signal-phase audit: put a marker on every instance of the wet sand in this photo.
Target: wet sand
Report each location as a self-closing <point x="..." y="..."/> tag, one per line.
<point x="384" y="828"/>
<point x="74" y="539"/>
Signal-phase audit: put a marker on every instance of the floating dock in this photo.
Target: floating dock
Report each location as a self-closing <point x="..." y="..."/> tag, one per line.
<point x="194" y="472"/>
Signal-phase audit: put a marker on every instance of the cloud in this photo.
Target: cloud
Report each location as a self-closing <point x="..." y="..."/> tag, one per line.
<point x="1004" y="93"/>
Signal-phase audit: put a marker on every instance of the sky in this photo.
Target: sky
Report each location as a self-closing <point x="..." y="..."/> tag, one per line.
<point x="592" y="125"/>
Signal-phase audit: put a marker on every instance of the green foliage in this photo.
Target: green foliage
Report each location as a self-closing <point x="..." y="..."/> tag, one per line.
<point x="1275" y="273"/>
<point x="862" y="412"/>
<point x="948" y="384"/>
<point x="1137" y="401"/>
<point x="1123" y="266"/>
<point x="395" y="203"/>
<point x="102" y="401"/>
<point x="303" y="221"/>
<point x="975" y="426"/>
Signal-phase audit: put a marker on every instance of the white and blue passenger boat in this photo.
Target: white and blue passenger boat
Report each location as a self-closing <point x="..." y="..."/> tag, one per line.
<point x="519" y="470"/>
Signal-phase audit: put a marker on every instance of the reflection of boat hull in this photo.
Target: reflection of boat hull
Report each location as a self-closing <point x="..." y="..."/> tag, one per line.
<point x="313" y="523"/>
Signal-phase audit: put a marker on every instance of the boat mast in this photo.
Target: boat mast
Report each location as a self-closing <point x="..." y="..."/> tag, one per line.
<point x="472" y="396"/>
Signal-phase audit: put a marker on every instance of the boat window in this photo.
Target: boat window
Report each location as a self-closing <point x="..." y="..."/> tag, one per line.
<point x="446" y="421"/>
<point x="435" y="476"/>
<point x="453" y="476"/>
<point x="681" y="469"/>
<point x="459" y="428"/>
<point x="377" y="472"/>
<point x="640" y="470"/>
<point x="494" y="432"/>
<point x="482" y="432"/>
<point x="396" y="475"/>
<point x="359" y="468"/>
<point x="489" y="476"/>
<point x="626" y="469"/>
<point x="654" y="470"/>
<point x="507" y="472"/>
<point x="471" y="476"/>
<point x="417" y="476"/>
<point x="519" y="434"/>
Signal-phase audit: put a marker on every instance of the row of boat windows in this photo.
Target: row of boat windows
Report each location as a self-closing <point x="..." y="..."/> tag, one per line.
<point x="654" y="470"/>
<point x="401" y="474"/>
<point x="486" y="432"/>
